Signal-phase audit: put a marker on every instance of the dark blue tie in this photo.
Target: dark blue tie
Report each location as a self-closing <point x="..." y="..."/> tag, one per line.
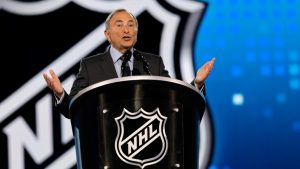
<point x="125" y="69"/>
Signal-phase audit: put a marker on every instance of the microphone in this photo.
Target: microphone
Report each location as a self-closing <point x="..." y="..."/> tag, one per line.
<point x="139" y="57"/>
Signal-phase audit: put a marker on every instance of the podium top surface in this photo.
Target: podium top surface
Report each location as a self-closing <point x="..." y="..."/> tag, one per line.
<point x="140" y="78"/>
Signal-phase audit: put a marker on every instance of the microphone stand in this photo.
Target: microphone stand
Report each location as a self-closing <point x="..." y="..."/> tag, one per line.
<point x="139" y="57"/>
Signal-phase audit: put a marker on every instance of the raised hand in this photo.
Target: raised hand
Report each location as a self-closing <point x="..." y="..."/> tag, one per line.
<point x="203" y="72"/>
<point x="54" y="83"/>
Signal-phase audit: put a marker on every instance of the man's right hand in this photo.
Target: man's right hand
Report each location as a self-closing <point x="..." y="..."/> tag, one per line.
<point x="54" y="83"/>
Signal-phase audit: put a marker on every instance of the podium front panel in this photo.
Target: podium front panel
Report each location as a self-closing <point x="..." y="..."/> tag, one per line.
<point x="137" y="122"/>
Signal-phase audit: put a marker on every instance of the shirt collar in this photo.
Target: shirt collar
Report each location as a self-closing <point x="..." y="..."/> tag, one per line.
<point x="115" y="54"/>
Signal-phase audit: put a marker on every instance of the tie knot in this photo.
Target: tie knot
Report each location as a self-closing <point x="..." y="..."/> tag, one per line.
<point x="126" y="56"/>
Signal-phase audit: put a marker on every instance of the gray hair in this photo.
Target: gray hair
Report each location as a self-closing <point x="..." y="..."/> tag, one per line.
<point x="117" y="11"/>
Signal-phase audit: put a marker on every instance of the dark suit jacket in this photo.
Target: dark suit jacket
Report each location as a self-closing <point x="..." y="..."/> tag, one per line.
<point x="100" y="67"/>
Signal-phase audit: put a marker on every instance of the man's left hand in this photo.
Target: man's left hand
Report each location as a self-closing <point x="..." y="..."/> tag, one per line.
<point x="203" y="72"/>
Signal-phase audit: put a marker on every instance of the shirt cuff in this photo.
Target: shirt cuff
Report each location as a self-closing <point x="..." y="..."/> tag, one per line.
<point x="59" y="100"/>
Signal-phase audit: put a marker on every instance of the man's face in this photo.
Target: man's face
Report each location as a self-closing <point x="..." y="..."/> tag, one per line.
<point x="122" y="31"/>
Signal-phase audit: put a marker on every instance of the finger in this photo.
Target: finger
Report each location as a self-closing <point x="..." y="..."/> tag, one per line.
<point x="211" y="64"/>
<point x="206" y="66"/>
<point x="213" y="60"/>
<point x="46" y="77"/>
<point x="54" y="76"/>
<point x="49" y="80"/>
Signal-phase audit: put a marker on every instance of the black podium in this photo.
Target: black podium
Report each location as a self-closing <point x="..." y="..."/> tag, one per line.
<point x="149" y="122"/>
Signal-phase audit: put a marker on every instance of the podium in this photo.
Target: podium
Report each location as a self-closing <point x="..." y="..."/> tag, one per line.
<point x="138" y="122"/>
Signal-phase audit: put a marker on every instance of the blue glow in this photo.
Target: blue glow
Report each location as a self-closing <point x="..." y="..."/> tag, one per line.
<point x="213" y="167"/>
<point x="264" y="42"/>
<point x="249" y="43"/>
<point x="265" y="70"/>
<point x="291" y="14"/>
<point x="219" y="15"/>
<point x="263" y="14"/>
<point x="256" y="110"/>
<point x="221" y="44"/>
<point x="278" y="42"/>
<point x="294" y="69"/>
<point x="296" y="126"/>
<point x="238" y="99"/>
<point x="277" y="13"/>
<point x="277" y="28"/>
<point x="264" y="56"/>
<point x="250" y="56"/>
<point x="281" y="98"/>
<point x="293" y="55"/>
<point x="279" y="70"/>
<point x="268" y="112"/>
<point x="236" y="71"/>
<point x="292" y="28"/>
<point x="294" y="84"/>
<point x="279" y="56"/>
<point x="248" y="14"/>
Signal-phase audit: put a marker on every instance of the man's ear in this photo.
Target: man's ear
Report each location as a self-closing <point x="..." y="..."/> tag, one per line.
<point x="106" y="33"/>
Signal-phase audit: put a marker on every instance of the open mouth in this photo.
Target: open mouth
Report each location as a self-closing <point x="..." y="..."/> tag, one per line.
<point x="126" y="37"/>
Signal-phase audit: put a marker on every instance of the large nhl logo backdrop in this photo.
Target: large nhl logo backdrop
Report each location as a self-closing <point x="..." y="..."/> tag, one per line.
<point x="44" y="34"/>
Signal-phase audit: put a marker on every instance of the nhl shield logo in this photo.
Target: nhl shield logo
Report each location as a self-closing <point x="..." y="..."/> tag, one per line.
<point x="141" y="138"/>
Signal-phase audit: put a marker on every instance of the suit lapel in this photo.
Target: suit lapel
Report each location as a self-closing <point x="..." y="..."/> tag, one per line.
<point x="107" y="66"/>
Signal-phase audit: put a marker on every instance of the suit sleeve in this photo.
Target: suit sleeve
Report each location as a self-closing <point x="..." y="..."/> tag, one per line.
<point x="164" y="72"/>
<point x="80" y="82"/>
<point x="162" y="69"/>
<point x="63" y="106"/>
<point x="202" y="88"/>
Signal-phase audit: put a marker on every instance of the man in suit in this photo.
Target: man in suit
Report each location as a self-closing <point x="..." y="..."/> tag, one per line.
<point x="121" y="32"/>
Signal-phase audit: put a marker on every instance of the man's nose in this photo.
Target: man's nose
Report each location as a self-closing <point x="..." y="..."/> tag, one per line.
<point x="126" y="29"/>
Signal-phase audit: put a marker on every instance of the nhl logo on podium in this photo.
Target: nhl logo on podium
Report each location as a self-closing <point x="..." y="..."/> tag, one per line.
<point x="141" y="138"/>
